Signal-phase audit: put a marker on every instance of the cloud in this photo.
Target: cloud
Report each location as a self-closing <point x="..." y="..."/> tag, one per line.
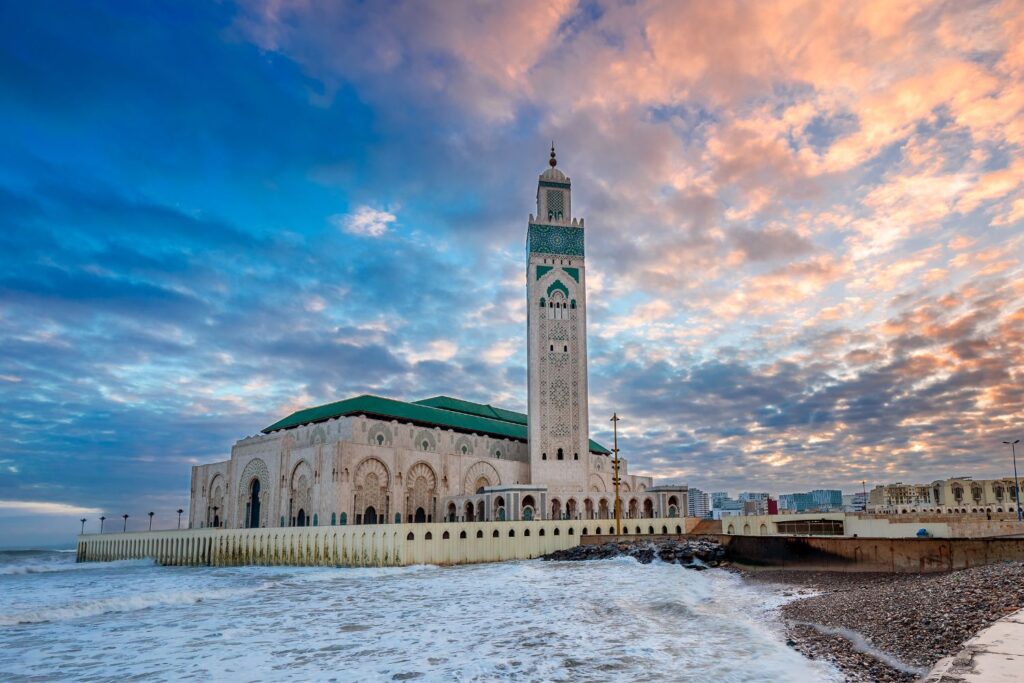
<point x="36" y="507"/>
<point x="802" y="228"/>
<point x="364" y="221"/>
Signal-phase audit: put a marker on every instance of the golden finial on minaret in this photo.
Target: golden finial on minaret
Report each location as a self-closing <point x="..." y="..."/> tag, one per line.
<point x="553" y="161"/>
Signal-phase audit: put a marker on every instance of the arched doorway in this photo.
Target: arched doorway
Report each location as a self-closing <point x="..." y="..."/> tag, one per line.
<point x="648" y="508"/>
<point x="633" y="508"/>
<point x="588" y="509"/>
<point x="602" y="509"/>
<point x="570" y="508"/>
<point x="528" y="507"/>
<point x="370" y="516"/>
<point x="300" y="519"/>
<point x="451" y="512"/>
<point x="253" y="506"/>
<point x="420" y="517"/>
<point x="216" y="521"/>
<point x="470" y="517"/>
<point x="556" y="509"/>
<point x="499" y="509"/>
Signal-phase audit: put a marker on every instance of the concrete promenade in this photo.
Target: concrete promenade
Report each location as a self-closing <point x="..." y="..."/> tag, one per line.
<point x="996" y="655"/>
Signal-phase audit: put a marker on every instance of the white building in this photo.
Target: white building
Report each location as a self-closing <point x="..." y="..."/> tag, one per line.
<point x="700" y="503"/>
<point x="373" y="460"/>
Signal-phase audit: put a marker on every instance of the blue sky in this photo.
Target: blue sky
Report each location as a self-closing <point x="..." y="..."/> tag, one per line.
<point x="804" y="231"/>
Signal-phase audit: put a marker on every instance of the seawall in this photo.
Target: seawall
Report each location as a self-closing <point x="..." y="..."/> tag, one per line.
<point x="897" y="555"/>
<point x="361" y="545"/>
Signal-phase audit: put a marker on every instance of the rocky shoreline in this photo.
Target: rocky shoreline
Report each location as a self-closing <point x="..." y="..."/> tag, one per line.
<point x="695" y="554"/>
<point x="893" y="627"/>
<point x="873" y="627"/>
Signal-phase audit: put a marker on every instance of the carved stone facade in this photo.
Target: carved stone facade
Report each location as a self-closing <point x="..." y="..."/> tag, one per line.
<point x="370" y="460"/>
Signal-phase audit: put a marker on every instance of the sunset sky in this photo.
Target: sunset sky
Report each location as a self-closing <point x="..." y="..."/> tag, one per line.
<point x="805" y="224"/>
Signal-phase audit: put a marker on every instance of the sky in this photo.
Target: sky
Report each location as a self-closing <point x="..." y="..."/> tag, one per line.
<point x="804" y="232"/>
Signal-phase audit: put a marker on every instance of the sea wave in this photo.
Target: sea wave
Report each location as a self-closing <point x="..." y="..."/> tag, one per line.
<point x="64" y="565"/>
<point x="128" y="603"/>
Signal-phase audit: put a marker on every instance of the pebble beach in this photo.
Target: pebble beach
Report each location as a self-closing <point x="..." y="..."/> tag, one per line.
<point x="893" y="627"/>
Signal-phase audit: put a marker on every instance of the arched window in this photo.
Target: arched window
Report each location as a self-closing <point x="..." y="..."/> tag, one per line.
<point x="561" y="455"/>
<point x="543" y="456"/>
<point x="480" y="533"/>
<point x="572" y="304"/>
<point x="462" y="534"/>
<point x="429" y="536"/>
<point x="543" y="302"/>
<point x="445" y="536"/>
<point x="575" y="456"/>
<point x="495" y="534"/>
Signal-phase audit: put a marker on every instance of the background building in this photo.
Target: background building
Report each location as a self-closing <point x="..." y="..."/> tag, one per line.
<point x="959" y="495"/>
<point x="700" y="503"/>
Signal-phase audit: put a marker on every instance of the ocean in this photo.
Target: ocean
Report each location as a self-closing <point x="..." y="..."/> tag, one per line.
<point x="613" y="620"/>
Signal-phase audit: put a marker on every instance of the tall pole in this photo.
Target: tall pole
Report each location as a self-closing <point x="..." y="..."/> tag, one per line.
<point x="150" y="521"/>
<point x="179" y="517"/>
<point x="83" y="525"/>
<point x="1016" y="481"/>
<point x="125" y="529"/>
<point x="102" y="519"/>
<point x="615" y="475"/>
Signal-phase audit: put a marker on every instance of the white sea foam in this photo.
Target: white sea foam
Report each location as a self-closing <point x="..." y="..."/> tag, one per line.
<point x="518" y="621"/>
<point x="63" y="565"/>
<point x="129" y="603"/>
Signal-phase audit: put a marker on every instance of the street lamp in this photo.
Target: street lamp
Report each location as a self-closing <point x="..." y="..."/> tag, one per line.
<point x="150" y="521"/>
<point x="83" y="525"/>
<point x="615" y="475"/>
<point x="179" y="517"/>
<point x="125" y="529"/>
<point x="102" y="519"/>
<point x="1016" y="481"/>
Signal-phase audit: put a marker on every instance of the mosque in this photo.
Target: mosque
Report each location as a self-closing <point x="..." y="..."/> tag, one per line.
<point x="375" y="460"/>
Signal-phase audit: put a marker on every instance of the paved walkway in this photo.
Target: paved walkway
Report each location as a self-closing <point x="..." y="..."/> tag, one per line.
<point x="994" y="655"/>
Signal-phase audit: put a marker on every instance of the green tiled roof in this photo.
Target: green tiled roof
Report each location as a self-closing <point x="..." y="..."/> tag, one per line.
<point x="439" y="411"/>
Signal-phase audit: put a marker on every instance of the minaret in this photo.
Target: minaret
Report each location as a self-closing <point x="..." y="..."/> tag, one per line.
<point x="556" y="321"/>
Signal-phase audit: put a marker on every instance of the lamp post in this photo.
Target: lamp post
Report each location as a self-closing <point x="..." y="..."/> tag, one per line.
<point x="125" y="529"/>
<point x="1016" y="481"/>
<point x="179" y="517"/>
<point x="615" y="474"/>
<point x="150" y="521"/>
<point x="83" y="525"/>
<point x="102" y="519"/>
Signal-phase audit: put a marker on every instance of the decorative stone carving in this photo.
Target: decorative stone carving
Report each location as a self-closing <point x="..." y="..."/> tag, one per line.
<point x="479" y="475"/>
<point x="254" y="469"/>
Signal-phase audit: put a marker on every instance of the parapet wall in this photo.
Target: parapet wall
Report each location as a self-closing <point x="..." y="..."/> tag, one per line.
<point x="898" y="555"/>
<point x="362" y="545"/>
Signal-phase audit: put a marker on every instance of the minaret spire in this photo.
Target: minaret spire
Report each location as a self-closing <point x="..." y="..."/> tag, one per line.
<point x="553" y="161"/>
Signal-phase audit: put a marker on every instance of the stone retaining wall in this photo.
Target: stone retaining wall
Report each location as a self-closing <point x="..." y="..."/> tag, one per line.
<point x="900" y="555"/>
